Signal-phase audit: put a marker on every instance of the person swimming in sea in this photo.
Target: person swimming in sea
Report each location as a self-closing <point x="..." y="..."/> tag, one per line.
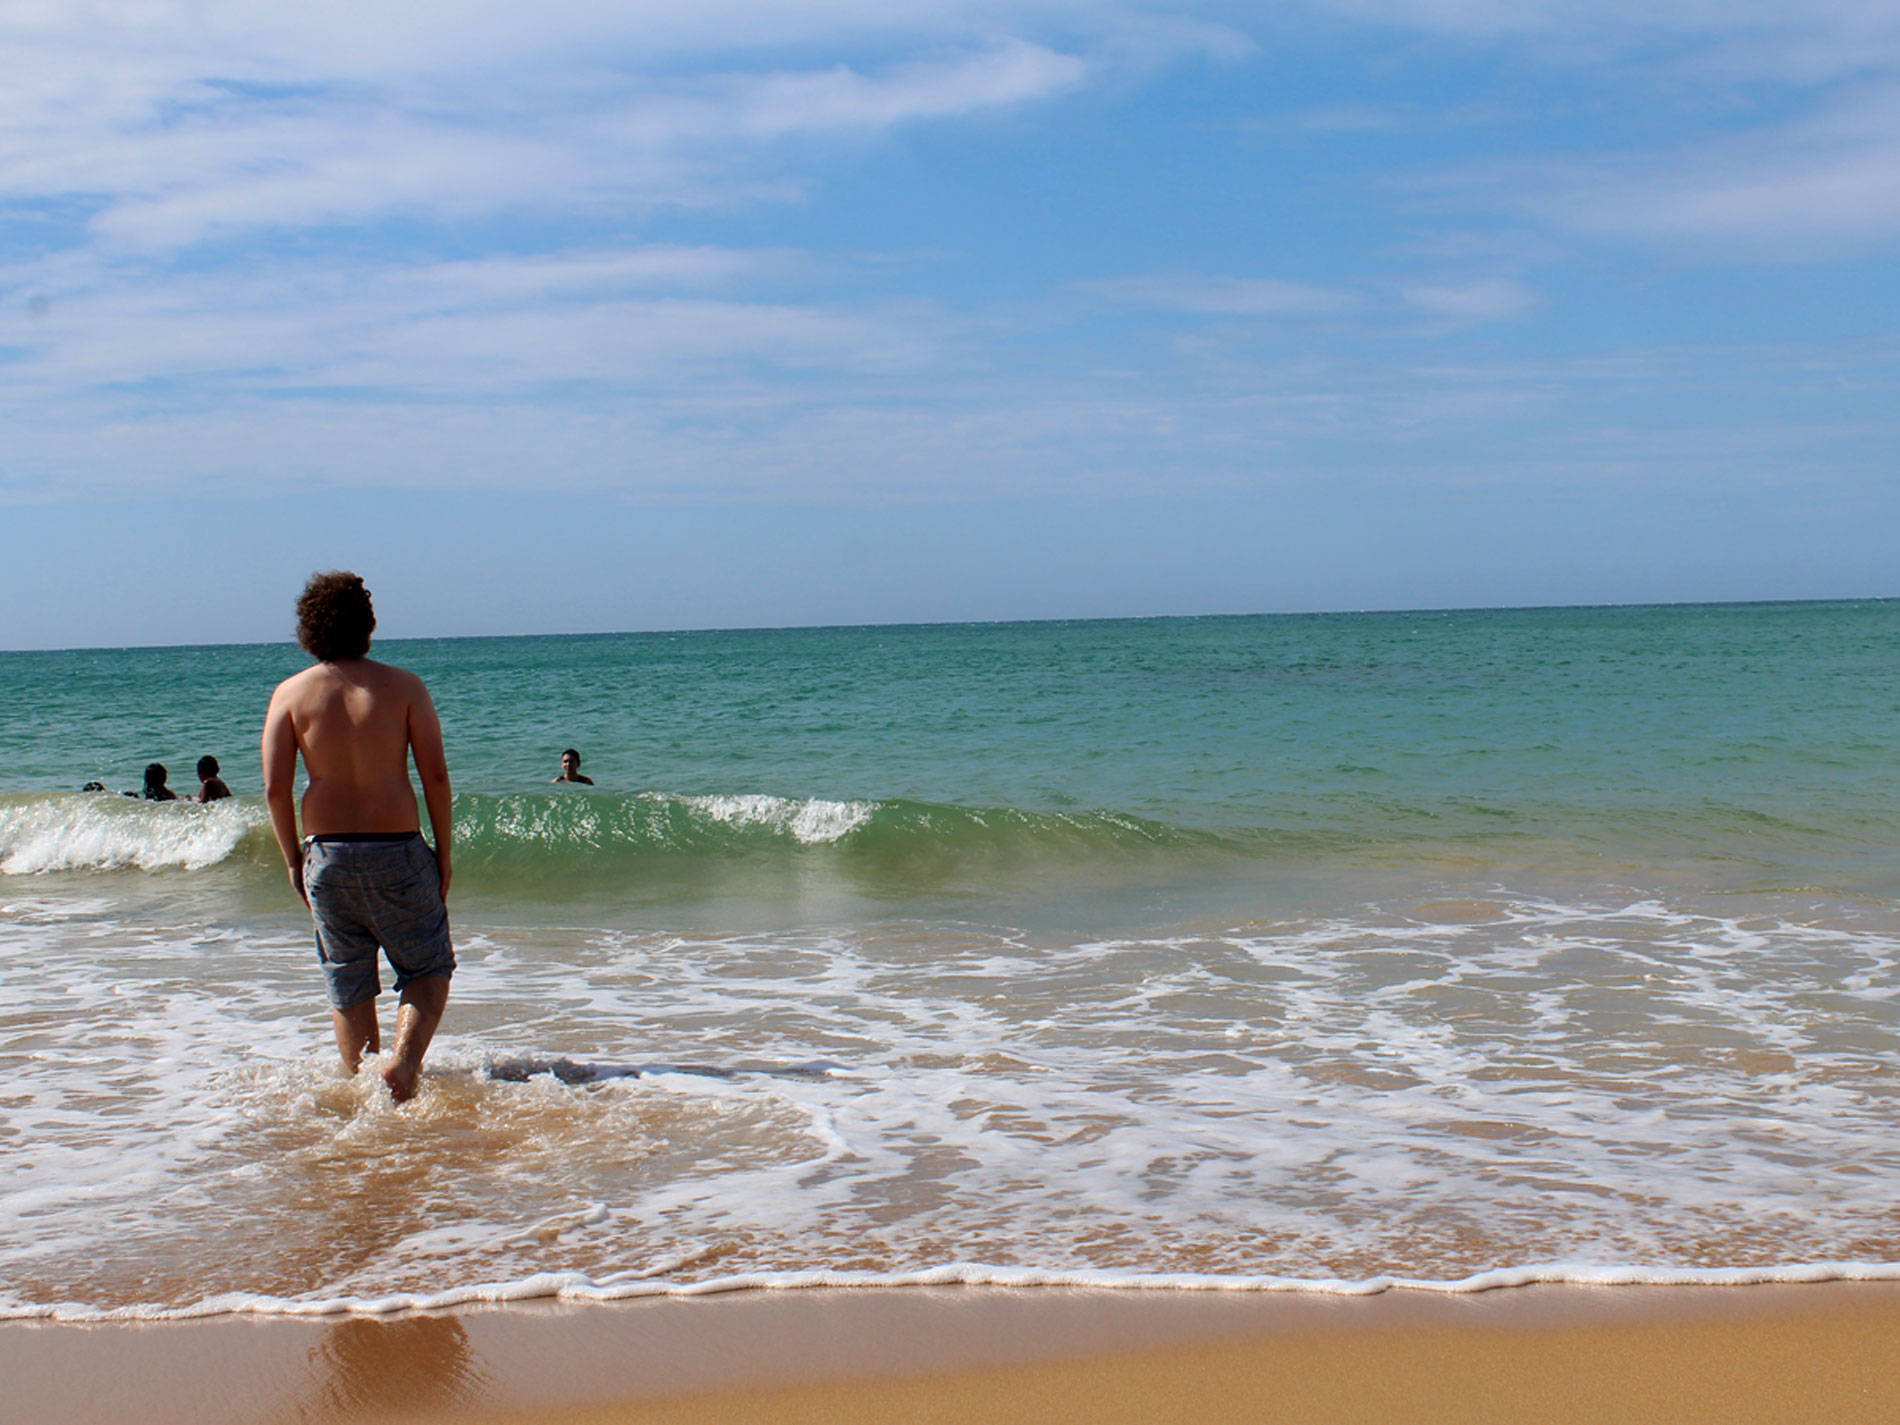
<point x="155" y="788"/>
<point x="211" y="787"/>
<point x="571" y="769"/>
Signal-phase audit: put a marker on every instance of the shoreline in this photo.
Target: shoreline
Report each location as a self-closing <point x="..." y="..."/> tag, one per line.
<point x="1786" y="1353"/>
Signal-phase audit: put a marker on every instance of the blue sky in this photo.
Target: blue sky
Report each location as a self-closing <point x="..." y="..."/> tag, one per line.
<point x="583" y="317"/>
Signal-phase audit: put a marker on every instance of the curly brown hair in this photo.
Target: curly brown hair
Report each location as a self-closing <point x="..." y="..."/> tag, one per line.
<point x="334" y="617"/>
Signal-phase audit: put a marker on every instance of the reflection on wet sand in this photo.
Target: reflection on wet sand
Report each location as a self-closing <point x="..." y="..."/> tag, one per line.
<point x="369" y="1367"/>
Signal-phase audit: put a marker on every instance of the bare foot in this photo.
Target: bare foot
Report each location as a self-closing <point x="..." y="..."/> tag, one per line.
<point x="402" y="1081"/>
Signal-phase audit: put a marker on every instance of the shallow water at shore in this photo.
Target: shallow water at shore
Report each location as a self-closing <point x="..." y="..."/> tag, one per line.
<point x="1435" y="1091"/>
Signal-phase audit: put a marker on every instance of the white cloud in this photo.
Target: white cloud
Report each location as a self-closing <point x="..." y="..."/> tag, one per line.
<point x="175" y="123"/>
<point x="1796" y="39"/>
<point x="368" y="41"/>
<point x="1491" y="299"/>
<point x="587" y="271"/>
<point x="841" y="98"/>
<point x="1801" y="188"/>
<point x="466" y="329"/>
<point x="1781" y="118"/>
<point x="237" y="162"/>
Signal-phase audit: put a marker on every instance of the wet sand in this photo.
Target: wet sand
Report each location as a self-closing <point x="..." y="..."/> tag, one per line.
<point x="1782" y="1354"/>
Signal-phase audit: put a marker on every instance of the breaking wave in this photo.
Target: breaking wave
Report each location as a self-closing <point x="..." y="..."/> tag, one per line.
<point x="530" y="832"/>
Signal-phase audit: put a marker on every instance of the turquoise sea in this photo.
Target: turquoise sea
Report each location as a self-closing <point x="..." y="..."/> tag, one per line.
<point x="1296" y="951"/>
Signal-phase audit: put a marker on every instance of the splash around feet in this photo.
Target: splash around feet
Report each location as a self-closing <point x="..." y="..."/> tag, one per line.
<point x="402" y="1080"/>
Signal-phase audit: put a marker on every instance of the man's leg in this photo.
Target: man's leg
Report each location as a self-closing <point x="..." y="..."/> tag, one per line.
<point x="422" y="1003"/>
<point x="356" y="1032"/>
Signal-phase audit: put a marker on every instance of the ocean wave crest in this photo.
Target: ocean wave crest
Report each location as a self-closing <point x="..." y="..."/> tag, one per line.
<point x="810" y="822"/>
<point x="532" y="827"/>
<point x="536" y="833"/>
<point x="99" y="832"/>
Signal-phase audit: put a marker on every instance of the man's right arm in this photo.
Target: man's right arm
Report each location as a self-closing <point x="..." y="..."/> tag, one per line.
<point x="280" y="786"/>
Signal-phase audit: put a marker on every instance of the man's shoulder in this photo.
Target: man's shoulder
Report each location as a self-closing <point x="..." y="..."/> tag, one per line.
<point x="358" y="671"/>
<point x="297" y="682"/>
<point x="394" y="679"/>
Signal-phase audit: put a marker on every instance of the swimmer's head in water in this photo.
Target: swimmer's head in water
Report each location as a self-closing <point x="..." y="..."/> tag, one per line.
<point x="334" y="617"/>
<point x="207" y="768"/>
<point x="570" y="756"/>
<point x="156" y="775"/>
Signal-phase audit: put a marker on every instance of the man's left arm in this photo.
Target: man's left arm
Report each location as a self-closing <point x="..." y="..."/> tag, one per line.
<point x="432" y="766"/>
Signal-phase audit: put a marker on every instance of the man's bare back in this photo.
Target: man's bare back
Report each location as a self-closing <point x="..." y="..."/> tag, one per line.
<point x="356" y="723"/>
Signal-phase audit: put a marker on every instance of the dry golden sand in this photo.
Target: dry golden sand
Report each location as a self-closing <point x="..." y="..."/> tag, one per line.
<point x="1785" y="1355"/>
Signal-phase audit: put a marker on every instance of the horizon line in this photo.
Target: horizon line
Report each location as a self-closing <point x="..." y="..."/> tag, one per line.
<point x="1004" y="622"/>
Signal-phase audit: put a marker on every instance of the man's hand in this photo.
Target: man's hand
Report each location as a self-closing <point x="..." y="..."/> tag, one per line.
<point x="442" y="865"/>
<point x="296" y="882"/>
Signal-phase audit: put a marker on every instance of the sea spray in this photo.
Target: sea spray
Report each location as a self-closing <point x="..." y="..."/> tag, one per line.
<point x="101" y="832"/>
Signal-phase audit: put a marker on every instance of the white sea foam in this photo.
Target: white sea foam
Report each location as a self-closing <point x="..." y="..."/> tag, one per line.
<point x="577" y="1287"/>
<point x="99" y="832"/>
<point x="810" y="821"/>
<point x="1418" y="1099"/>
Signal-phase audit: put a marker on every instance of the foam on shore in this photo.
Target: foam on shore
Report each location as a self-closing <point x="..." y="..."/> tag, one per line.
<point x="577" y="1287"/>
<point x="1334" y="1105"/>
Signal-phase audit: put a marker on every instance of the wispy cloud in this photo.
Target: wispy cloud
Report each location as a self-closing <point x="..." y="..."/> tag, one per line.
<point x="174" y="123"/>
<point x="459" y="329"/>
<point x="1798" y="40"/>
<point x="1015" y="72"/>
<point x="1808" y="186"/>
<point x="942" y="432"/>
<point x="198" y="161"/>
<point x="1492" y="299"/>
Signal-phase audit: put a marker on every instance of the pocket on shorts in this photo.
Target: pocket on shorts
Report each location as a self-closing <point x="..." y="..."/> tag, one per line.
<point x="424" y="869"/>
<point x="316" y="866"/>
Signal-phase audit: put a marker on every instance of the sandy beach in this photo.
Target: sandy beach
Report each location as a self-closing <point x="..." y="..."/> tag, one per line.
<point x="1784" y="1354"/>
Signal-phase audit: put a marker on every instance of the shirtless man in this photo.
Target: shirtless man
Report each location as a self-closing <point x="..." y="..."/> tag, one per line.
<point x="364" y="870"/>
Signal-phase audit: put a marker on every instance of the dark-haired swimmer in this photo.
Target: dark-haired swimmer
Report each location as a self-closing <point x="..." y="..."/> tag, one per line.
<point x="571" y="769"/>
<point x="211" y="786"/>
<point x="155" y="788"/>
<point x="371" y="882"/>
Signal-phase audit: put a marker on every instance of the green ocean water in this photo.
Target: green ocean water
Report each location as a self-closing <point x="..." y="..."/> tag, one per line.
<point x="1757" y="744"/>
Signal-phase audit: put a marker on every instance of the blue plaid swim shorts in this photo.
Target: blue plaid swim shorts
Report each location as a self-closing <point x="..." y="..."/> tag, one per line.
<point x="376" y="893"/>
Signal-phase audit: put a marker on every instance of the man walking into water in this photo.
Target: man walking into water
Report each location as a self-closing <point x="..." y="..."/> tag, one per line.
<point x="369" y="878"/>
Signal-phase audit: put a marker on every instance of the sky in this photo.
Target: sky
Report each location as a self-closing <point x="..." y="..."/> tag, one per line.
<point x="584" y="317"/>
